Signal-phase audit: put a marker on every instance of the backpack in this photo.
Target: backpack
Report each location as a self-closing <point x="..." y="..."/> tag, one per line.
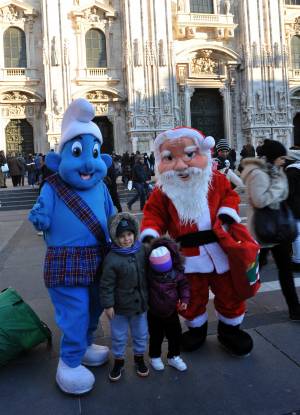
<point x="20" y="328"/>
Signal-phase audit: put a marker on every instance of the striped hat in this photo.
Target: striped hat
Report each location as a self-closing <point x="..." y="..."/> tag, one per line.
<point x="160" y="259"/>
<point x="222" y="145"/>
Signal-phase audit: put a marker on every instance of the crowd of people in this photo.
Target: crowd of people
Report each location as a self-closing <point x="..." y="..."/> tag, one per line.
<point x="21" y="167"/>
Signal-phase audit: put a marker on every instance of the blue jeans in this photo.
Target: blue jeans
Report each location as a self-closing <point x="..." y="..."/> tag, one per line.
<point x="119" y="334"/>
<point x="77" y="311"/>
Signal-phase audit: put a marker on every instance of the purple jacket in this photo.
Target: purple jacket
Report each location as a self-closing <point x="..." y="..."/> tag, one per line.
<point x="167" y="288"/>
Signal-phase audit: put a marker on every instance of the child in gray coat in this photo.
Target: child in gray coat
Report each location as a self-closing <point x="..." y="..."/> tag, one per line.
<point x="124" y="294"/>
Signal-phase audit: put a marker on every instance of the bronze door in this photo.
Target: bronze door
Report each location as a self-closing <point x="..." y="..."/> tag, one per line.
<point x="19" y="138"/>
<point x="106" y="129"/>
<point x="207" y="112"/>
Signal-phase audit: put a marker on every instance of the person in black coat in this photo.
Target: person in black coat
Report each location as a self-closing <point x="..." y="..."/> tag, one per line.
<point x="293" y="174"/>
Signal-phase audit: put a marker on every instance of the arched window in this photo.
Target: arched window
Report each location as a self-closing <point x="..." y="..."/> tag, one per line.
<point x="95" y="44"/>
<point x="201" y="6"/>
<point x="295" y="52"/>
<point x="14" y="48"/>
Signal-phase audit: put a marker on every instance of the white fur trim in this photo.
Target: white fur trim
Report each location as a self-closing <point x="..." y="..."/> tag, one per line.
<point x="230" y="212"/>
<point x="148" y="232"/>
<point x="197" y="321"/>
<point x="77" y="120"/>
<point x="231" y="321"/>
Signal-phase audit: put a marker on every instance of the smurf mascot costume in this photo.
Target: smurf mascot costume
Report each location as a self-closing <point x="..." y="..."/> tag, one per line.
<point x="188" y="201"/>
<point x="72" y="211"/>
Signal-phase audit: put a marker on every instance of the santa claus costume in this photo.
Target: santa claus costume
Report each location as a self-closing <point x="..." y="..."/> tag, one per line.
<point x="186" y="203"/>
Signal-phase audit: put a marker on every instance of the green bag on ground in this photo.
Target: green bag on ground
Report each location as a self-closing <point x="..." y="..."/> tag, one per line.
<point x="20" y="327"/>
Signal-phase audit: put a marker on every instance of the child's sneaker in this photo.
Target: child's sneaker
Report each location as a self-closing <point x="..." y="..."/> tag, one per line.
<point x="116" y="372"/>
<point x="178" y="363"/>
<point x="141" y="368"/>
<point x="157" y="363"/>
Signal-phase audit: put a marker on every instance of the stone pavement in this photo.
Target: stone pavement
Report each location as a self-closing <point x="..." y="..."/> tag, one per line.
<point x="266" y="383"/>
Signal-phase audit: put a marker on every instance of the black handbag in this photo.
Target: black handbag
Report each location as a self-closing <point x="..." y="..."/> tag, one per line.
<point x="275" y="226"/>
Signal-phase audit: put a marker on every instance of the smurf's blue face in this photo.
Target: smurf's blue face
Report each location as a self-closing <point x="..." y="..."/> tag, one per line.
<point x="81" y="165"/>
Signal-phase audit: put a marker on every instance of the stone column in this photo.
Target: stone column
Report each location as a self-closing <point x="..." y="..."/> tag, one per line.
<point x="188" y="92"/>
<point x="225" y="92"/>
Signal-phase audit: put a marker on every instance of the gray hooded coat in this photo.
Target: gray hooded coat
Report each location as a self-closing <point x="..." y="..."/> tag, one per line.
<point x="123" y="281"/>
<point x="264" y="188"/>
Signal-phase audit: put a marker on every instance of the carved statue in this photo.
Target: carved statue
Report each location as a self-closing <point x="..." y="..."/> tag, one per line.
<point x="181" y="5"/>
<point x="227" y="6"/>
<point x="281" y="99"/>
<point x="56" y="108"/>
<point x="259" y="100"/>
<point x="162" y="56"/>
<point x="166" y="100"/>
<point x="140" y="99"/>
<point x="137" y="55"/>
<point x="54" y="58"/>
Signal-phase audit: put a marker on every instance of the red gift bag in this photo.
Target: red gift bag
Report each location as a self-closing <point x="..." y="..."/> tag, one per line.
<point x="243" y="252"/>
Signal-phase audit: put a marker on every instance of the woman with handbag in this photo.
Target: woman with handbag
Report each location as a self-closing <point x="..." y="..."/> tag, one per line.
<point x="267" y="187"/>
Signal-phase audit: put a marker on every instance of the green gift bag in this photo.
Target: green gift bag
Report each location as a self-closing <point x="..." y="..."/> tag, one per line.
<point x="20" y="327"/>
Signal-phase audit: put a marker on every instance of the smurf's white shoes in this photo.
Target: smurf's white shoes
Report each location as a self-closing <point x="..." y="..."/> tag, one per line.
<point x="74" y="380"/>
<point x="95" y="355"/>
<point x="178" y="363"/>
<point x="157" y="363"/>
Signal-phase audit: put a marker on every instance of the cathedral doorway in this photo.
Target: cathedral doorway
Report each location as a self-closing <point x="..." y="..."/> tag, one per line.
<point x="207" y="112"/>
<point x="296" y="123"/>
<point x="106" y="129"/>
<point x="19" y="138"/>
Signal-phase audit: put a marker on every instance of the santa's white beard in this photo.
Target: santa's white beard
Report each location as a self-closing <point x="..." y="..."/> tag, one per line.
<point x="189" y="197"/>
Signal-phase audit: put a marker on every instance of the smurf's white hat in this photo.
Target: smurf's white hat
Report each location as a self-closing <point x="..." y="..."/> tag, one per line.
<point x="205" y="144"/>
<point x="78" y="120"/>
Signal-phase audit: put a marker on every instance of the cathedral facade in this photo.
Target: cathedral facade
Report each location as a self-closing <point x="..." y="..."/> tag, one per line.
<point x="230" y="68"/>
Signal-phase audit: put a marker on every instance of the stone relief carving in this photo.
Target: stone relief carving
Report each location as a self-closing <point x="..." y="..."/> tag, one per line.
<point x="204" y="64"/>
<point x="54" y="53"/>
<point x="137" y="54"/>
<point x="189" y="32"/>
<point x="101" y="108"/>
<point x="97" y="96"/>
<point x="161" y="53"/>
<point x="297" y="25"/>
<point x="11" y="14"/>
<point x="182" y="73"/>
<point x="15" y="96"/>
<point x="150" y="54"/>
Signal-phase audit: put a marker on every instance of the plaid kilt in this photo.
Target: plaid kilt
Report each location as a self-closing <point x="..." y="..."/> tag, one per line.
<point x="71" y="266"/>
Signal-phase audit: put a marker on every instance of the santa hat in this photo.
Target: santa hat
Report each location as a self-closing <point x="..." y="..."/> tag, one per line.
<point x="77" y="120"/>
<point x="160" y="259"/>
<point x="205" y="144"/>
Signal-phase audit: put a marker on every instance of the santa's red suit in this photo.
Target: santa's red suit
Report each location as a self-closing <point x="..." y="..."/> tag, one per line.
<point x="207" y="264"/>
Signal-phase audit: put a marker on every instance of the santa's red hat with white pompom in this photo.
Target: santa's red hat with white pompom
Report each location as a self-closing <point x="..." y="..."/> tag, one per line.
<point x="205" y="144"/>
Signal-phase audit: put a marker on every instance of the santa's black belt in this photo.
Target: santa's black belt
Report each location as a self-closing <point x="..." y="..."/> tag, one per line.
<point x="193" y="239"/>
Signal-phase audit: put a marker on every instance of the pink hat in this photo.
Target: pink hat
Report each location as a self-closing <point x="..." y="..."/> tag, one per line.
<point x="160" y="259"/>
<point x="205" y="144"/>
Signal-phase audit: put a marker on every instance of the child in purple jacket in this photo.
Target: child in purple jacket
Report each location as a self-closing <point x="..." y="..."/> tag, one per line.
<point x="168" y="292"/>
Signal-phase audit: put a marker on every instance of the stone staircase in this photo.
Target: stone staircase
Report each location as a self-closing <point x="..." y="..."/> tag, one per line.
<point x="21" y="198"/>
